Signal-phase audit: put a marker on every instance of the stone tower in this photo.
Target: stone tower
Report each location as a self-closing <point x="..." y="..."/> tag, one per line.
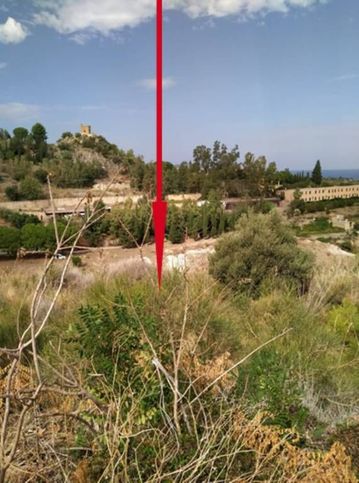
<point x="85" y="130"/>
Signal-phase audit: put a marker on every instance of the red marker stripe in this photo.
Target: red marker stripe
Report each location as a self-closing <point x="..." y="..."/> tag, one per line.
<point x="159" y="109"/>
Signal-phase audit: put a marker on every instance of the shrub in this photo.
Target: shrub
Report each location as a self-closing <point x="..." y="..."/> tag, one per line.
<point x="76" y="261"/>
<point x="263" y="247"/>
<point x="31" y="189"/>
<point x="18" y="220"/>
<point x="41" y="175"/>
<point x="12" y="193"/>
<point x="9" y="240"/>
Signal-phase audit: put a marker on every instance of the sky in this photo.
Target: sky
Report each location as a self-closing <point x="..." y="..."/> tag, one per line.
<point x="279" y="78"/>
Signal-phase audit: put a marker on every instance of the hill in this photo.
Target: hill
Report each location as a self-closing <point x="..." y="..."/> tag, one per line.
<point x="74" y="162"/>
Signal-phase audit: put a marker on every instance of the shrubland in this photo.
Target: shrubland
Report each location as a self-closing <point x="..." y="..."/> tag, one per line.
<point x="77" y="161"/>
<point x="205" y="380"/>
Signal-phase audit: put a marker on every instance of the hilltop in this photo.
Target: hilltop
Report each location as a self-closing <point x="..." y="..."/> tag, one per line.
<point x="74" y="162"/>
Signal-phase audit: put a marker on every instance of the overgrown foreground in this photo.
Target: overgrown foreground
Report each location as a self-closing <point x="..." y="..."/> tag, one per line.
<point x="192" y="384"/>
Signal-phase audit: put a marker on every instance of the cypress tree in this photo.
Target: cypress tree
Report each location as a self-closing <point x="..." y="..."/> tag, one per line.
<point x="205" y="221"/>
<point x="317" y="174"/>
<point x="177" y="228"/>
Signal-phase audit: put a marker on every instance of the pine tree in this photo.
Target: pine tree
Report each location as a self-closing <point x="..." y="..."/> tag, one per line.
<point x="214" y="223"/>
<point x="317" y="174"/>
<point x="205" y="221"/>
<point x="177" y="228"/>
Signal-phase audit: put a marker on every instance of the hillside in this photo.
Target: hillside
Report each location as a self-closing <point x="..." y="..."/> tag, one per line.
<point x="75" y="163"/>
<point x="244" y="368"/>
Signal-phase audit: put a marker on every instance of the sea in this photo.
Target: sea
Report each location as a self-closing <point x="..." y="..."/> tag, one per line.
<point x="341" y="173"/>
<point x="352" y="174"/>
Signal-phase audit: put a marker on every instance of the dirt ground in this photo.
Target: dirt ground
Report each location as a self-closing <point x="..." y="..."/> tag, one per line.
<point x="116" y="259"/>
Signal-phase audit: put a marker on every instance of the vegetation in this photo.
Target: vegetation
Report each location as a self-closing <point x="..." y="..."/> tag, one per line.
<point x="317" y="177"/>
<point x="17" y="219"/>
<point x="327" y="205"/>
<point x="317" y="227"/>
<point x="150" y="371"/>
<point x="32" y="237"/>
<point x="262" y="250"/>
<point x="246" y="373"/>
<point x="132" y="226"/>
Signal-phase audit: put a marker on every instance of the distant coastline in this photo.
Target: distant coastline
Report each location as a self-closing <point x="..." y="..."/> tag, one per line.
<point x="341" y="173"/>
<point x="337" y="173"/>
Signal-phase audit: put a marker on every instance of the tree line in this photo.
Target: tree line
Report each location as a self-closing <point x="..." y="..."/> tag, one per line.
<point x="220" y="169"/>
<point x="75" y="162"/>
<point x="129" y="224"/>
<point x="27" y="159"/>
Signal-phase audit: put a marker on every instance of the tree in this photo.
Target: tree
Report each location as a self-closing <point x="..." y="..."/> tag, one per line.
<point x="39" y="138"/>
<point x="262" y="248"/>
<point x="317" y="174"/>
<point x="9" y="240"/>
<point x="297" y="203"/>
<point x="31" y="189"/>
<point x="39" y="237"/>
<point x="19" y="141"/>
<point x="66" y="135"/>
<point x="12" y="193"/>
<point x="177" y="228"/>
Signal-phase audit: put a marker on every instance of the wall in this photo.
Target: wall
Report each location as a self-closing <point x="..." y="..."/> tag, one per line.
<point x="327" y="193"/>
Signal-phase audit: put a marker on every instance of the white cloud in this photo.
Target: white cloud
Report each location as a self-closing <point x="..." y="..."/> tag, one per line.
<point x="105" y="16"/>
<point x="16" y="111"/>
<point x="150" y="84"/>
<point x="344" y="77"/>
<point x="12" y="32"/>
<point x="3" y="65"/>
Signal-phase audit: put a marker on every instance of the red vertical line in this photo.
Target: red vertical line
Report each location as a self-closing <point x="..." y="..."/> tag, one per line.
<point x="159" y="93"/>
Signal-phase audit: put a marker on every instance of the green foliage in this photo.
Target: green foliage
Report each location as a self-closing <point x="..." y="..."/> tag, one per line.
<point x="76" y="261"/>
<point x="12" y="193"/>
<point x="31" y="189"/>
<point x="130" y="223"/>
<point x="9" y="240"/>
<point x="10" y="312"/>
<point x="39" y="138"/>
<point x="66" y="135"/>
<point x="41" y="175"/>
<point x="19" y="168"/>
<point x="345" y="321"/>
<point x="99" y="226"/>
<point x="318" y="226"/>
<point x="17" y="219"/>
<point x="35" y="237"/>
<point x="112" y="338"/>
<point x="269" y="379"/>
<point x="176" y="224"/>
<point x="75" y="174"/>
<point x="317" y="177"/>
<point x="216" y="168"/>
<point x="297" y="205"/>
<point x="262" y="247"/>
<point x="40" y="237"/>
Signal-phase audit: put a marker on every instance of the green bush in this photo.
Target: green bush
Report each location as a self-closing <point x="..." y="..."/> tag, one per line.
<point x="76" y="261"/>
<point x="17" y="219"/>
<point x="262" y="247"/>
<point x="41" y="175"/>
<point x="31" y="189"/>
<point x="9" y="240"/>
<point x="71" y="173"/>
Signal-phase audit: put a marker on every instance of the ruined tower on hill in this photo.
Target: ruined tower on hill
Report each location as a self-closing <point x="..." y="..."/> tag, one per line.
<point x="85" y="130"/>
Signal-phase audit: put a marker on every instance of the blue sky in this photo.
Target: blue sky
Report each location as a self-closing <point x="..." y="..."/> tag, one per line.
<point x="277" y="77"/>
